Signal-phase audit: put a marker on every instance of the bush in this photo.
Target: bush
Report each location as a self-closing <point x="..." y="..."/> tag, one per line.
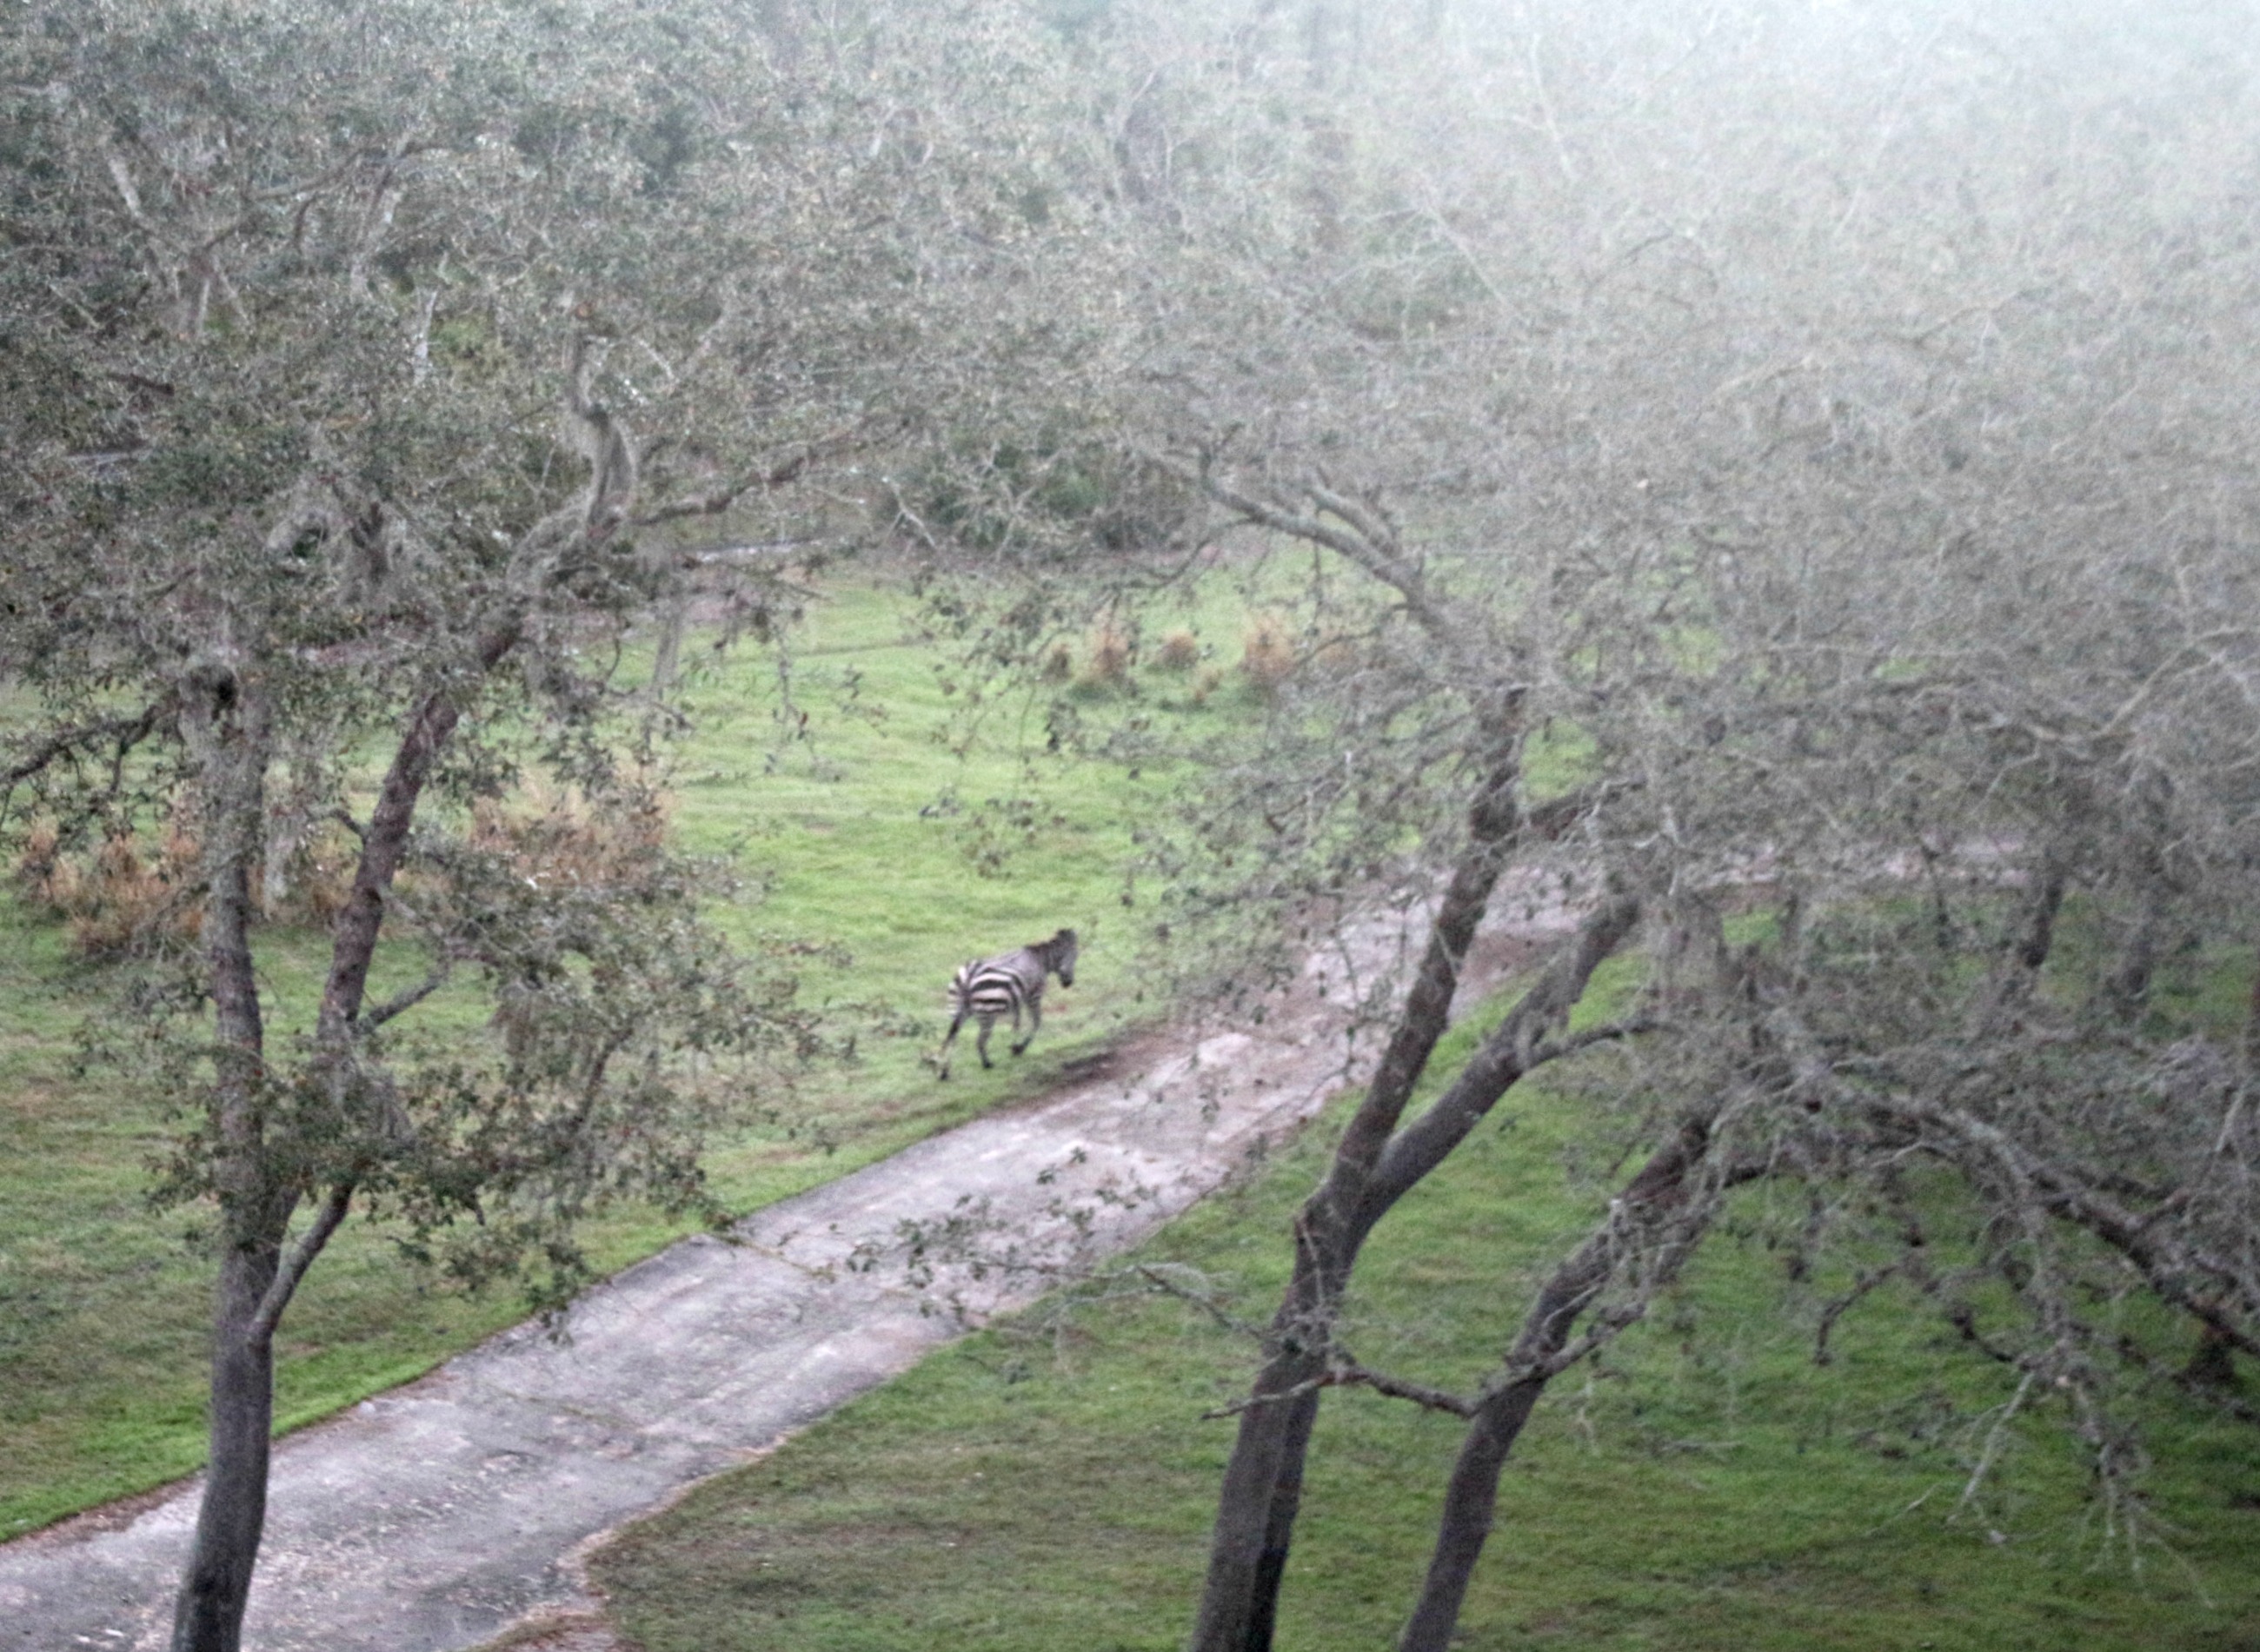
<point x="315" y="879"/>
<point x="1106" y="664"/>
<point x="125" y="893"/>
<point x="546" y="842"/>
<point x="1180" y="651"/>
<point x="1339" y="654"/>
<point x="1267" y="653"/>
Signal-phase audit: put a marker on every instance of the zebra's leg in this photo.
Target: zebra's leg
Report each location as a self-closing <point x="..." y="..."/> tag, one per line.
<point x="1035" y="1020"/>
<point x="949" y="1038"/>
<point x="982" y="1042"/>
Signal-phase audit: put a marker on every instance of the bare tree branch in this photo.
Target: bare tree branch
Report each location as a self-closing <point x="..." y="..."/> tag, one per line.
<point x="298" y="1260"/>
<point x="122" y="734"/>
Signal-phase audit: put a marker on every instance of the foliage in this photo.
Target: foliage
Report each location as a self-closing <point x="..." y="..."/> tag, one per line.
<point x="1180" y="651"/>
<point x="115" y="895"/>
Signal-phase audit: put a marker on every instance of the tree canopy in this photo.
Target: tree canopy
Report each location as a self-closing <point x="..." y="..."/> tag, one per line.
<point x="363" y="367"/>
<point x="1778" y="473"/>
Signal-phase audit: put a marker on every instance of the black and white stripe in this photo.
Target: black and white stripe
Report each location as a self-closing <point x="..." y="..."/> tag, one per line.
<point x="989" y="988"/>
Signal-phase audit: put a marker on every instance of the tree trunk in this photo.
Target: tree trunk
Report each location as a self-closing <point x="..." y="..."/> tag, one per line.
<point x="226" y="724"/>
<point x="1262" y="1482"/>
<point x="216" y="1588"/>
<point x="1299" y="1416"/>
<point x="226" y="727"/>
<point x="1470" y="1498"/>
<point x="2213" y="1364"/>
<point x="354" y="933"/>
<point x="1261" y="1492"/>
<point x="2125" y="989"/>
<point x="1472" y="1494"/>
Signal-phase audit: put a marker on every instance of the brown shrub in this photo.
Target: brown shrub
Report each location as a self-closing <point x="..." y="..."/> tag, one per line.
<point x="1267" y="653"/>
<point x="318" y="881"/>
<point x="1107" y="661"/>
<point x="41" y="873"/>
<point x="1338" y="654"/>
<point x="126" y="892"/>
<point x="1180" y="651"/>
<point x="550" y="841"/>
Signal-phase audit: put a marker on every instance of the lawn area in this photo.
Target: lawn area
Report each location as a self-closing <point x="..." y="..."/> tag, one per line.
<point x="871" y="825"/>
<point x="1048" y="1482"/>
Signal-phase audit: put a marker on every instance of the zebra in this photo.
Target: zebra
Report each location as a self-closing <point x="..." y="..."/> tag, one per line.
<point x="988" y="988"/>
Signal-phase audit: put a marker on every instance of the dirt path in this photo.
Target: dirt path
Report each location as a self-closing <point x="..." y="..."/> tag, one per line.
<point x="439" y="1515"/>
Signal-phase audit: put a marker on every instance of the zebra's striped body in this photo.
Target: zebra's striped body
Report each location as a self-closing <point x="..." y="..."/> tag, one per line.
<point x="989" y="988"/>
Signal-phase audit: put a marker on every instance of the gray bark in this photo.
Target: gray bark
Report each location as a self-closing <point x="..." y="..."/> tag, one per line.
<point x="1248" y="1551"/>
<point x="1375" y="1165"/>
<point x="1262" y="1482"/>
<point x="226" y="727"/>
<point x="1471" y="1496"/>
<point x="226" y="724"/>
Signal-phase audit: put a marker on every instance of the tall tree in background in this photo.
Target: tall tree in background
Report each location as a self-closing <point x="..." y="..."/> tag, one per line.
<point x="361" y="367"/>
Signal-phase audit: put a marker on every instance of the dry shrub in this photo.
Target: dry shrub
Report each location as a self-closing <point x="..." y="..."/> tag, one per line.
<point x="1106" y="663"/>
<point x="127" y="892"/>
<point x="1180" y="651"/>
<point x="1267" y="653"/>
<point x="319" y="881"/>
<point x="1058" y="663"/>
<point x="41" y="873"/>
<point x="553" y="841"/>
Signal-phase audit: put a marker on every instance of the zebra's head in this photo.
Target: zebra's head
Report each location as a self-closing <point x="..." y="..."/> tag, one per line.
<point x="1059" y="953"/>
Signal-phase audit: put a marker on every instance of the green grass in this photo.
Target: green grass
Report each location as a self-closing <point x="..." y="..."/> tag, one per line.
<point x="865" y="821"/>
<point x="1036" y="1487"/>
<point x="1709" y="1488"/>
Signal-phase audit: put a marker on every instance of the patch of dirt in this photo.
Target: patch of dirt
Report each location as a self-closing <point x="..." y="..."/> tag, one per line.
<point x="562" y="1632"/>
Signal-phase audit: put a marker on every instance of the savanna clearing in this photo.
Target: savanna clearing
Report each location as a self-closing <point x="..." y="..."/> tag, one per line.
<point x="1050" y="1481"/>
<point x="883" y="834"/>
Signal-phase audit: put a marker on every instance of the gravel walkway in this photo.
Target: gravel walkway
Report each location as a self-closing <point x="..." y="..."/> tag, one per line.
<point x="439" y="1515"/>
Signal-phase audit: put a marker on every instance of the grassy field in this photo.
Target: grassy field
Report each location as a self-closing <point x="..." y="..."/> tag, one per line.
<point x="869" y="824"/>
<point x="1049" y="1484"/>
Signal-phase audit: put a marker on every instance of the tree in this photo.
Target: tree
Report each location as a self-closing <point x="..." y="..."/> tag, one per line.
<point x="362" y="367"/>
<point x="1823" y="420"/>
